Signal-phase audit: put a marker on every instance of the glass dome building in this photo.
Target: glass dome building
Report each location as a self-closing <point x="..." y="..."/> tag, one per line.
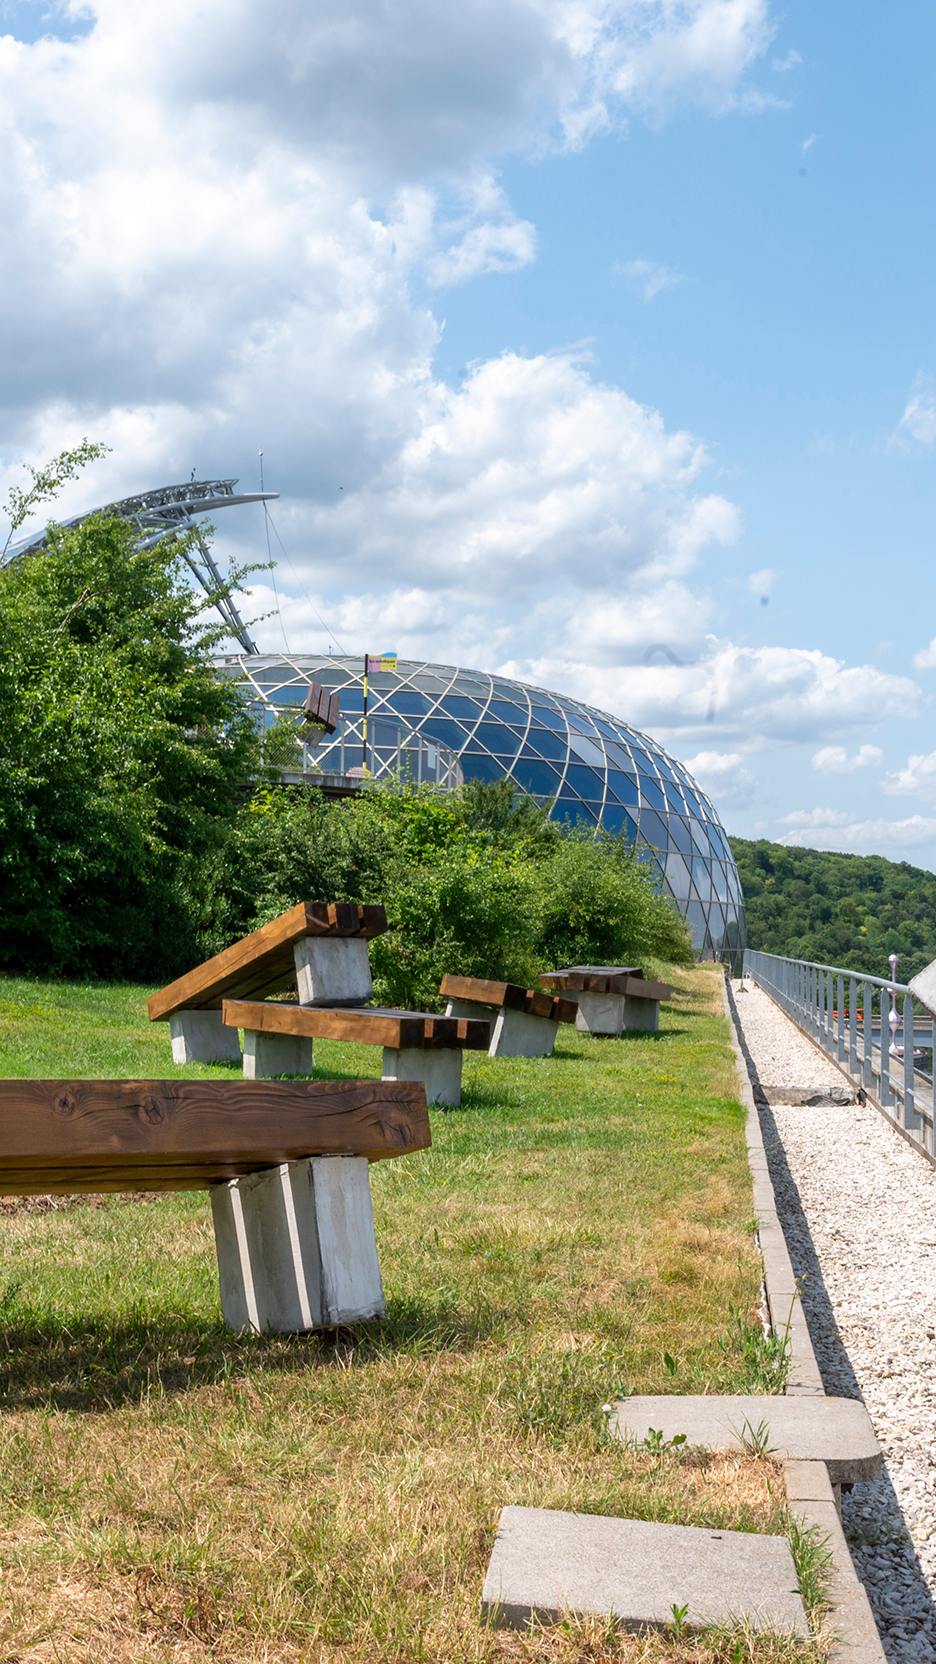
<point x="595" y="768"/>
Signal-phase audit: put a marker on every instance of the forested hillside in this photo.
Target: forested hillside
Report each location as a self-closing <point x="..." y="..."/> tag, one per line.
<point x="850" y="910"/>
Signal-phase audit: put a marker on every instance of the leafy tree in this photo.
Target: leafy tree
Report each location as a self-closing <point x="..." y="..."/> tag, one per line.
<point x="847" y="910"/>
<point x="121" y="753"/>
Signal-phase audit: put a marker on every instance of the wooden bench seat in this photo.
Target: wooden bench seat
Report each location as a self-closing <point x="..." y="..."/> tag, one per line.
<point x="610" y="998"/>
<point x="286" y="1164"/>
<point x="525" y="1020"/>
<point x="418" y="1045"/>
<point x="319" y="948"/>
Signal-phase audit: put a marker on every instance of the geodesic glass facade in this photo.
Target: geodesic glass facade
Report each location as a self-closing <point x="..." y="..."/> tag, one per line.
<point x="598" y="770"/>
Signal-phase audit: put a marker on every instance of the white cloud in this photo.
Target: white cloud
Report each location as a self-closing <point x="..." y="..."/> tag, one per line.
<point x="725" y="777"/>
<point x="831" y="829"/>
<point x="917" y="779"/>
<point x="761" y="584"/>
<point x="807" y="144"/>
<point x="834" y="759"/>
<point x="749" y="698"/>
<point x="918" y="421"/>
<point x="925" y="659"/>
<point x="781" y="65"/>
<point x="648" y="280"/>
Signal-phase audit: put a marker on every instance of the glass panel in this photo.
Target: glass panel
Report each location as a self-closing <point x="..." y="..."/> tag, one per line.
<point x="617" y="820"/>
<point x="674" y="799"/>
<point x="719" y="881"/>
<point x="619" y="757"/>
<point x="653" y="829"/>
<point x="651" y="791"/>
<point x="586" y="781"/>
<point x="408" y="703"/>
<point x="455" y="704"/>
<point x="445" y="731"/>
<point x="702" y="877"/>
<point x="497" y="737"/>
<point x="545" y="713"/>
<point x="588" y="751"/>
<point x="289" y="696"/>
<point x="679" y="834"/>
<point x="477" y="767"/>
<point x="700" y="837"/>
<point x="677" y="876"/>
<point x="548" y="744"/>
<point x="624" y="786"/>
<point x="697" y="921"/>
<point x="536" y="777"/>
<point x="506" y="713"/>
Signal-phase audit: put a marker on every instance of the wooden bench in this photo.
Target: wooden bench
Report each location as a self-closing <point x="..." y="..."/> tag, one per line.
<point x="610" y="998"/>
<point x="525" y="1021"/>
<point x="319" y="948"/>
<point x="286" y="1164"/>
<point x="417" y="1045"/>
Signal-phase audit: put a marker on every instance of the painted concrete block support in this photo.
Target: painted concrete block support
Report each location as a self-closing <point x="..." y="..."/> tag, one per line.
<point x="201" y="1037"/>
<point x="333" y="970"/>
<point x="641" y="1014"/>
<point x="513" y="1033"/>
<point x="600" y="1013"/>
<point x="439" y="1071"/>
<point x="296" y="1247"/>
<point x="267" y="1056"/>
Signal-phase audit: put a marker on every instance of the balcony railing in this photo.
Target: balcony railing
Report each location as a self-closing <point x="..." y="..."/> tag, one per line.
<point x="872" y="1027"/>
<point x="391" y="752"/>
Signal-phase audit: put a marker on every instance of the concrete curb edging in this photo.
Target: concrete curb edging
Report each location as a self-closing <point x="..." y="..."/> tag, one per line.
<point x="809" y="1489"/>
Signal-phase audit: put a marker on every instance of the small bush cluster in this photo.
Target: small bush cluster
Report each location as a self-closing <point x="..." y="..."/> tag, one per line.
<point x="137" y="834"/>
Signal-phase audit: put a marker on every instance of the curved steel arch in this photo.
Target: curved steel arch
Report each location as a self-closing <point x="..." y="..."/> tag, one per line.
<point x="165" y="513"/>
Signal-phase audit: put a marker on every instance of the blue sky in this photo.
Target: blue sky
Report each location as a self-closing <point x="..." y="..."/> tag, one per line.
<point x="594" y="343"/>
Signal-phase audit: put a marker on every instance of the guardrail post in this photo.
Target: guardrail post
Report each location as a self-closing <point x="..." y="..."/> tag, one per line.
<point x="841" y="1020"/>
<point x="853" y="1025"/>
<point x="867" y="1015"/>
<point x="912" y="1120"/>
<point x="886" y="1093"/>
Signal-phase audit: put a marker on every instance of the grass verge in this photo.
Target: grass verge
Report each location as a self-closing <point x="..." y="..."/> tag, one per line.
<point x="581" y="1229"/>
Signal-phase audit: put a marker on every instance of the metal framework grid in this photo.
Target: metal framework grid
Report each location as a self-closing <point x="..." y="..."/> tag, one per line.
<point x="600" y="771"/>
<point x="166" y="512"/>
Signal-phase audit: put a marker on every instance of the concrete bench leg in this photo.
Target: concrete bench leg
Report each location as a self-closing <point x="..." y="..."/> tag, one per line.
<point x="333" y="970"/>
<point x="296" y="1247"/>
<point x="440" y="1071"/>
<point x="513" y="1033"/>
<point x="267" y="1056"/>
<point x="600" y="1014"/>
<point x="641" y="1014"/>
<point x="518" y="1034"/>
<point x="201" y="1037"/>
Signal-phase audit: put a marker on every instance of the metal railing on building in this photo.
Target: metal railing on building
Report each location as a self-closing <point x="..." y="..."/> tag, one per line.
<point x="392" y="752"/>
<point x="872" y="1027"/>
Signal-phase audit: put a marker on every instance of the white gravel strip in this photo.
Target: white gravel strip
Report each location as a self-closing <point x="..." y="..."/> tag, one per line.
<point x="858" y="1208"/>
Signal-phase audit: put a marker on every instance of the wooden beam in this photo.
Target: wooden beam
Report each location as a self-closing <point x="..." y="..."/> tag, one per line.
<point x="367" y="1025"/>
<point x="508" y="994"/>
<point x="69" y="1135"/>
<point x="263" y="962"/>
<point x="638" y="989"/>
<point x="591" y="979"/>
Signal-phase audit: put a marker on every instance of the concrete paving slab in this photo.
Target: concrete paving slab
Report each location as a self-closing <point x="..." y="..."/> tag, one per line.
<point x="547" y="1565"/>
<point x="837" y="1431"/>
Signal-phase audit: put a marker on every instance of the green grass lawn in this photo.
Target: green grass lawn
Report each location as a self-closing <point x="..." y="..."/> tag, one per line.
<point x="580" y="1229"/>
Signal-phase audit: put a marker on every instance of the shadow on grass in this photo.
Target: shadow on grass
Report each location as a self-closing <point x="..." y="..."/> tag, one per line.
<point x="90" y="1367"/>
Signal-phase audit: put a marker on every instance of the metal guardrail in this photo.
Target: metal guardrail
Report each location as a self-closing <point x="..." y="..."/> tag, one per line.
<point x="882" y="1052"/>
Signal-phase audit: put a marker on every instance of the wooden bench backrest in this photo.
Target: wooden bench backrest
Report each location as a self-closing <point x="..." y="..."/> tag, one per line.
<point x="508" y="994"/>
<point x="263" y="962"/>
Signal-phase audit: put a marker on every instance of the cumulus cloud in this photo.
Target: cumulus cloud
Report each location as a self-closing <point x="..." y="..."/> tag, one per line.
<point x="832" y="829"/>
<point x="834" y="759"/>
<point x="725" y="777"/>
<point x="748" y="697"/>
<point x="918" y="422"/>
<point x="221" y="220"/>
<point x="647" y="279"/>
<point x="917" y="779"/>
<point x="925" y="659"/>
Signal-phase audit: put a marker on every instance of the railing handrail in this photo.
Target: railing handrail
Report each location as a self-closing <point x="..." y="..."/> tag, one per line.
<point x="837" y="970"/>
<point x="824" y="1001"/>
